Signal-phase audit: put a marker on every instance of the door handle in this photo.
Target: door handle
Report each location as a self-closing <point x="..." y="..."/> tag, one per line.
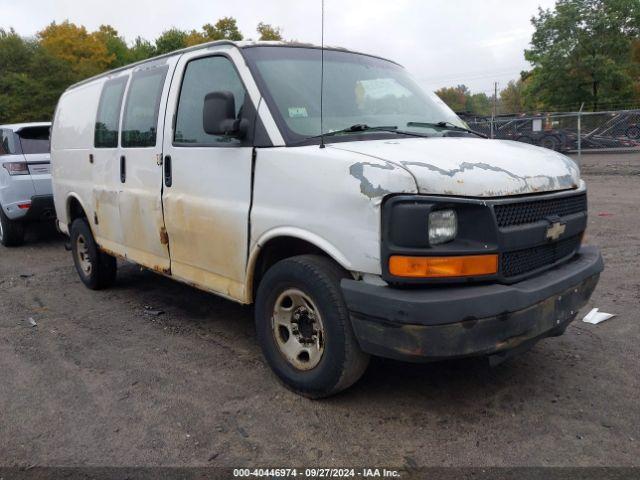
<point x="123" y="169"/>
<point x="167" y="171"/>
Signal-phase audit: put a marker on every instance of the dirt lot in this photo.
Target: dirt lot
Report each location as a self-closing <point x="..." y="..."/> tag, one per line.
<point x="99" y="381"/>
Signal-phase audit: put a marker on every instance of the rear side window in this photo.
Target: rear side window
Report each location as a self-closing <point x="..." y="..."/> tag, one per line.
<point x="7" y="142"/>
<point x="203" y="76"/>
<point x="139" y="125"/>
<point x="34" y="140"/>
<point x="108" y="118"/>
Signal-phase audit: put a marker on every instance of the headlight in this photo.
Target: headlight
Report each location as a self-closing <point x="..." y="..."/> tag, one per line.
<point x="443" y="226"/>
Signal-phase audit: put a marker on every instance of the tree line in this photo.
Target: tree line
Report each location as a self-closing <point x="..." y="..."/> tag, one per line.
<point x="35" y="71"/>
<point x="581" y="52"/>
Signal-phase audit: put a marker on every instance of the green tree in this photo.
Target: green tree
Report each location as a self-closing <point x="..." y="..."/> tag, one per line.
<point x="269" y="32"/>
<point x="581" y="51"/>
<point x="170" y="40"/>
<point x="479" y="103"/>
<point x="224" y="29"/>
<point x="635" y="55"/>
<point x="195" y="38"/>
<point x="141" y="50"/>
<point x="35" y="71"/>
<point x="116" y="45"/>
<point x="31" y="79"/>
<point x="512" y="97"/>
<point x="85" y="54"/>
<point x="455" y="97"/>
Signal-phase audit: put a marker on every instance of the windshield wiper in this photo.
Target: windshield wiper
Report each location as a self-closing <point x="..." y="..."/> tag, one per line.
<point x="445" y="125"/>
<point x="362" y="127"/>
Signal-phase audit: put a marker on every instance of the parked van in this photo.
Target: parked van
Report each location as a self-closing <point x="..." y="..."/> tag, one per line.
<point x="25" y="179"/>
<point x="397" y="233"/>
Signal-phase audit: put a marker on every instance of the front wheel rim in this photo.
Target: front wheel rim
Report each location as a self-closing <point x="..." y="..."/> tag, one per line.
<point x="297" y="329"/>
<point x="82" y="254"/>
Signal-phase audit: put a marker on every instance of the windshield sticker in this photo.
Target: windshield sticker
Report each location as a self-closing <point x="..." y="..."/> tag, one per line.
<point x="298" y="112"/>
<point x="377" y="88"/>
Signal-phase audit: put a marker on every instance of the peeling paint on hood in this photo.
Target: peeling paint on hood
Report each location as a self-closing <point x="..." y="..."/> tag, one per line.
<point x="473" y="167"/>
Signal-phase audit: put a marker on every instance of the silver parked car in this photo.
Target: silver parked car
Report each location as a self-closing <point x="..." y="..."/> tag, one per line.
<point x="25" y="179"/>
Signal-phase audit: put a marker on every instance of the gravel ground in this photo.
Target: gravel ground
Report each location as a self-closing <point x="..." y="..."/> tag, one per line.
<point x="101" y="381"/>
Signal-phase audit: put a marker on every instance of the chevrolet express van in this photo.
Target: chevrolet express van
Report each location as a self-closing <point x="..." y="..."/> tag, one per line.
<point x="398" y="233"/>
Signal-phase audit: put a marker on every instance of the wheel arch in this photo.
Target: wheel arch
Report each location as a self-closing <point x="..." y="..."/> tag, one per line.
<point x="74" y="208"/>
<point x="283" y="243"/>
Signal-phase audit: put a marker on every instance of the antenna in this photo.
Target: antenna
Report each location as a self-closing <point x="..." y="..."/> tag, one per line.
<point x="322" y="78"/>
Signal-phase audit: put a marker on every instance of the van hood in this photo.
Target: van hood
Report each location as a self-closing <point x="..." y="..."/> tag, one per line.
<point x="473" y="167"/>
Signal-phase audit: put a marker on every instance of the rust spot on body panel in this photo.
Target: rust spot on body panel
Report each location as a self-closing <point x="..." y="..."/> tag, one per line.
<point x="164" y="237"/>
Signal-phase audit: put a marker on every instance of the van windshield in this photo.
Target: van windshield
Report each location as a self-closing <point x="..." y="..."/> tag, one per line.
<point x="358" y="90"/>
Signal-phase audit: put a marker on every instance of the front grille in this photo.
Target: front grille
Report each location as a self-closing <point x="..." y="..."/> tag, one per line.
<point x="511" y="214"/>
<point x="527" y="260"/>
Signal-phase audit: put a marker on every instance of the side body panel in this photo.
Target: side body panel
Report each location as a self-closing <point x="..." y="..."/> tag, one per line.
<point x="106" y="188"/>
<point x="71" y="144"/>
<point x="328" y="197"/>
<point x="207" y="203"/>
<point x="140" y="200"/>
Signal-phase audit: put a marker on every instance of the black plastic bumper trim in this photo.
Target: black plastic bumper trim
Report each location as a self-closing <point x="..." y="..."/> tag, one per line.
<point x="431" y="305"/>
<point x="453" y="322"/>
<point x="42" y="208"/>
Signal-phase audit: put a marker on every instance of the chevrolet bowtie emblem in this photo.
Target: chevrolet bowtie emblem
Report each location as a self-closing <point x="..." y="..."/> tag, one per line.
<point x="555" y="230"/>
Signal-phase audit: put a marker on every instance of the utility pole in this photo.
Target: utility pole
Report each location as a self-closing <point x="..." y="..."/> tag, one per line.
<point x="580" y="135"/>
<point x="495" y="108"/>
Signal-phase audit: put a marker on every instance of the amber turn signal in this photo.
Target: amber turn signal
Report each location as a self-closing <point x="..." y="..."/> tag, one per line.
<point x="439" y="267"/>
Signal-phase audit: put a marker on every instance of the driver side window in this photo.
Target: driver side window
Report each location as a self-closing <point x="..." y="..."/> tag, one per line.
<point x="203" y="76"/>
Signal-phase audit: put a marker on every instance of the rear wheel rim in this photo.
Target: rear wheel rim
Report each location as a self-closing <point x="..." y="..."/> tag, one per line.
<point x="82" y="255"/>
<point x="1" y="231"/>
<point x="297" y="329"/>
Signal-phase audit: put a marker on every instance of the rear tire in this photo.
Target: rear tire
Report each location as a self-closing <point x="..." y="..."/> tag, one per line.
<point x="11" y="231"/>
<point x="304" y="329"/>
<point x="96" y="269"/>
<point x="551" y="142"/>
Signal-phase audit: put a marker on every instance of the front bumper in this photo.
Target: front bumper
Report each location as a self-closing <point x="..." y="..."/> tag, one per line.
<point x="459" y="321"/>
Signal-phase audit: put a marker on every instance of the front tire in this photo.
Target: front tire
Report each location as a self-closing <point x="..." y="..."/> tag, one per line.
<point x="96" y="269"/>
<point x="11" y="232"/>
<point x="304" y="329"/>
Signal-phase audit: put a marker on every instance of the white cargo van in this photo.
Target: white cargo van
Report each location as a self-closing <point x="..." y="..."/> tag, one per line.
<point x="399" y="234"/>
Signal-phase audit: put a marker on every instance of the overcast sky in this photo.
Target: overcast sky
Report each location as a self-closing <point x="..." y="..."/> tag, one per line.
<point x="442" y="42"/>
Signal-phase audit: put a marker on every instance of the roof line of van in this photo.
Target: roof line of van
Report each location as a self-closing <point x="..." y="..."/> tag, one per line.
<point x="315" y="47"/>
<point x="201" y="46"/>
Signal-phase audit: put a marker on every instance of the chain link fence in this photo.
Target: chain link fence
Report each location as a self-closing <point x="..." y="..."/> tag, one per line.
<point x="565" y="132"/>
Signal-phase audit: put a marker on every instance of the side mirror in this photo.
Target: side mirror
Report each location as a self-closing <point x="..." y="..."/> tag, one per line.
<point x="219" y="115"/>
